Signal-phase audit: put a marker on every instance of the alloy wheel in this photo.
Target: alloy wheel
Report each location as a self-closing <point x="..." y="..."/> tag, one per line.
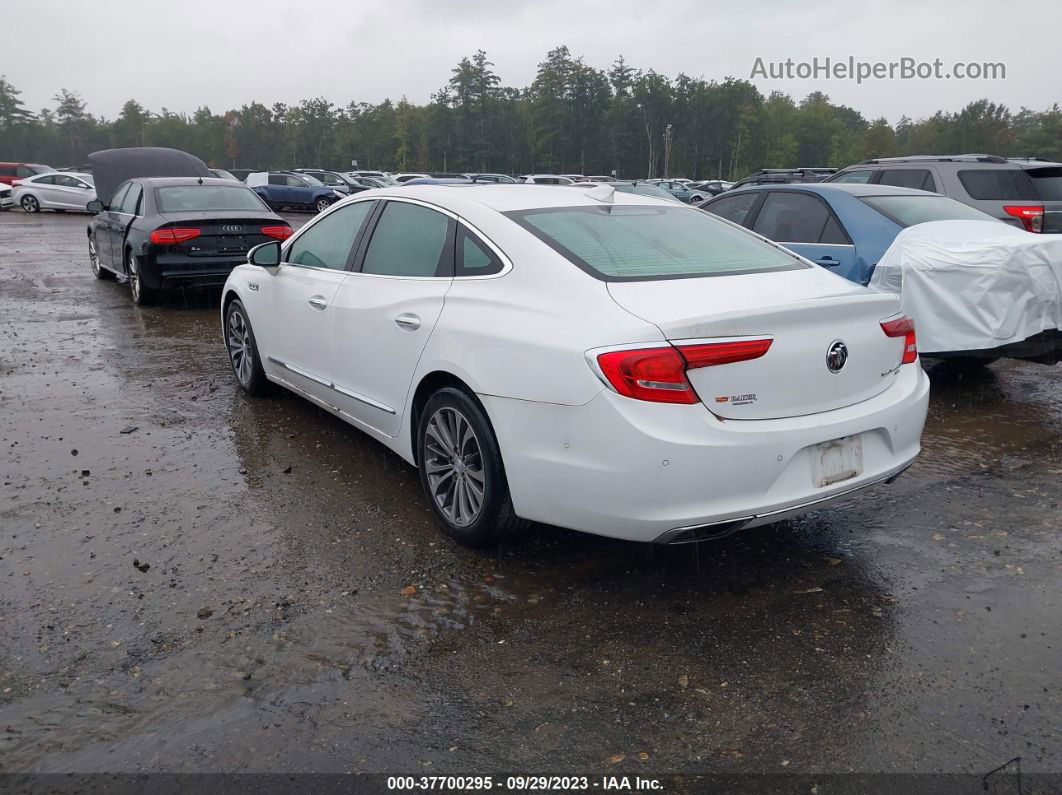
<point x="241" y="352"/>
<point x="322" y="205"/>
<point x="30" y="204"/>
<point x="94" y="257"/>
<point x="134" y="279"/>
<point x="454" y="466"/>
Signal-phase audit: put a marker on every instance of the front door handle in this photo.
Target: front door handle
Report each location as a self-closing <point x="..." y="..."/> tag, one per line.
<point x="828" y="261"/>
<point x="408" y="322"/>
<point x="318" y="302"/>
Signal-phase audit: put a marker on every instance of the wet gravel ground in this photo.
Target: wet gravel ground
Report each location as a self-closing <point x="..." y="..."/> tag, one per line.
<point x="195" y="580"/>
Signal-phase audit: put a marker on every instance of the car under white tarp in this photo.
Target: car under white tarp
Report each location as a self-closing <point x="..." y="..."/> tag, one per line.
<point x="974" y="285"/>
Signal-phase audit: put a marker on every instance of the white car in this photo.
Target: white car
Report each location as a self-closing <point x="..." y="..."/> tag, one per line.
<point x="56" y="190"/>
<point x="545" y="179"/>
<point x="6" y="202"/>
<point x="585" y="358"/>
<point x="407" y="176"/>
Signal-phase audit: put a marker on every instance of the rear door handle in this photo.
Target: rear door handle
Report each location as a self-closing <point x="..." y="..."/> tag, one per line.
<point x="318" y="302"/>
<point x="828" y="261"/>
<point x="408" y="322"/>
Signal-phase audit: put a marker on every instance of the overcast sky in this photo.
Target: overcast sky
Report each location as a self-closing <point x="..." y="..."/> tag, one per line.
<point x="224" y="53"/>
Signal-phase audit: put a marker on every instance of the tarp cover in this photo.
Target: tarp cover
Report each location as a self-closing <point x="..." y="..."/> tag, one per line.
<point x="112" y="167"/>
<point x="974" y="285"/>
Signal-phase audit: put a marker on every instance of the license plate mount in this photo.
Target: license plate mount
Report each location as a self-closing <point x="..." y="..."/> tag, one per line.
<point x="836" y="460"/>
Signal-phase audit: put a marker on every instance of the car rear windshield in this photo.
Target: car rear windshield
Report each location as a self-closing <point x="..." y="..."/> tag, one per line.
<point x="182" y="198"/>
<point x="1048" y="181"/>
<point x="641" y="243"/>
<point x="998" y="184"/>
<point x="911" y="210"/>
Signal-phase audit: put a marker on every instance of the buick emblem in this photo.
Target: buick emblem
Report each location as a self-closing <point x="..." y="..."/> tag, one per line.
<point x="232" y="229"/>
<point x="836" y="357"/>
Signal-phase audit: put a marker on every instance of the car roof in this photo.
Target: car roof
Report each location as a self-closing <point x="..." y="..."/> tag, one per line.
<point x="503" y="197"/>
<point x="854" y="189"/>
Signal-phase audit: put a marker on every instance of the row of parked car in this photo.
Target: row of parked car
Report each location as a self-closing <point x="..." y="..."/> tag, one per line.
<point x="736" y="312"/>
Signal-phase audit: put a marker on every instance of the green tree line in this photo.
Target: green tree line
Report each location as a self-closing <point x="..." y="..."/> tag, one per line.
<point x="573" y="118"/>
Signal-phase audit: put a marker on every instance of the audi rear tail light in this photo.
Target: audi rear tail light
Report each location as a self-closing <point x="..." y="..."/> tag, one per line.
<point x="904" y="327"/>
<point x="176" y="234"/>
<point x="1031" y="217"/>
<point x="659" y="374"/>
<point x="278" y="232"/>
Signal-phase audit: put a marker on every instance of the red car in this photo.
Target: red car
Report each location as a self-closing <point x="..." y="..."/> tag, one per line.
<point x="9" y="172"/>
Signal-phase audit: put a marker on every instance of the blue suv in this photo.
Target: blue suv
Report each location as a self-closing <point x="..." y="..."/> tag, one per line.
<point x="283" y="189"/>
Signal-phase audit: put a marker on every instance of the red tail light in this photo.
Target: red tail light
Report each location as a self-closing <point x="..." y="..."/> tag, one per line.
<point x="904" y="327"/>
<point x="713" y="353"/>
<point x="1032" y="218"/>
<point x="659" y="374"/>
<point x="15" y="183"/>
<point x="656" y="374"/>
<point x="279" y="232"/>
<point x="176" y="234"/>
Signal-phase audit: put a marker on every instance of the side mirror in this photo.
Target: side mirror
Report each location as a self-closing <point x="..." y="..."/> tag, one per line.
<point x="266" y="255"/>
<point x="95" y="206"/>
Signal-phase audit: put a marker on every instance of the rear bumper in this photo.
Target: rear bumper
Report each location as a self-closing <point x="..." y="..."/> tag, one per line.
<point x="186" y="272"/>
<point x="653" y="472"/>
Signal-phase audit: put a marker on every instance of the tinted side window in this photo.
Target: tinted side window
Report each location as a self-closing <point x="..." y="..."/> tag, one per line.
<point x="834" y="233"/>
<point x="734" y="208"/>
<point x="792" y="218"/>
<point x="1048" y="182"/>
<point x="48" y="180"/>
<point x="26" y="171"/>
<point x="854" y="176"/>
<point x="328" y="243"/>
<point x="7" y="171"/>
<point x="1000" y="184"/>
<point x="119" y="194"/>
<point x="294" y="182"/>
<point x="918" y="178"/>
<point x="409" y="240"/>
<point x="277" y="179"/>
<point x="474" y="257"/>
<point x="131" y="200"/>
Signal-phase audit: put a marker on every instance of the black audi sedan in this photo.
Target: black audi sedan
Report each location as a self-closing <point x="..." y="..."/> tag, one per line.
<point x="163" y="232"/>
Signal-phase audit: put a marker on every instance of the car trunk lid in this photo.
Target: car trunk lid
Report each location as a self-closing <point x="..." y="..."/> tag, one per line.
<point x="807" y="314"/>
<point x="222" y="233"/>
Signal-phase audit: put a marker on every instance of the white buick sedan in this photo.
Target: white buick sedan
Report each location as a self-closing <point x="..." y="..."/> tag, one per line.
<point x="595" y="360"/>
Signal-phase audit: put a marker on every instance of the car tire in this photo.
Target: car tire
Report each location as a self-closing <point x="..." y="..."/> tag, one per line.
<point x="695" y="198"/>
<point x="98" y="270"/>
<point x="242" y="347"/>
<point x="29" y="204"/>
<point x="142" y="296"/>
<point x="322" y="204"/>
<point x="461" y="470"/>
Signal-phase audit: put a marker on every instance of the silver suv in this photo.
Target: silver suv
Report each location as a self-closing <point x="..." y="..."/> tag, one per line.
<point x="1025" y="192"/>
